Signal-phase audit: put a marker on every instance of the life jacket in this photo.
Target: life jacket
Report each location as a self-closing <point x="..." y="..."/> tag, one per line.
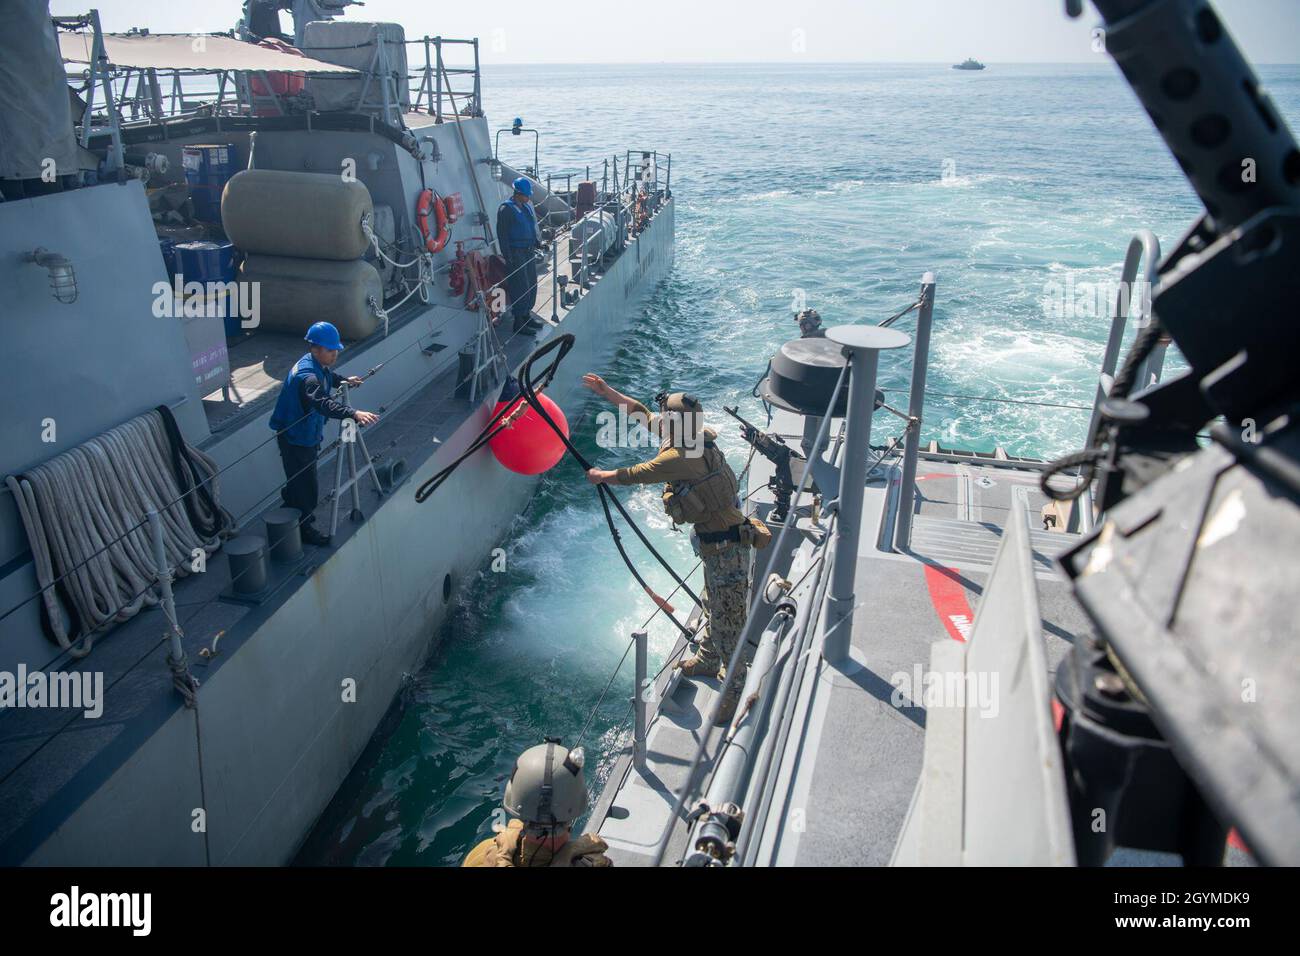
<point x="522" y="233"/>
<point x="691" y="500"/>
<point x="288" y="416"/>
<point x="504" y="850"/>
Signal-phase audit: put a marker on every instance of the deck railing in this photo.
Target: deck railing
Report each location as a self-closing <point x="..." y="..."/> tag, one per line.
<point x="444" y="89"/>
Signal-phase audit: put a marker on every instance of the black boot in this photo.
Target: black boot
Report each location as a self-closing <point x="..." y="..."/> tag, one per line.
<point x="528" y="324"/>
<point x="311" y="536"/>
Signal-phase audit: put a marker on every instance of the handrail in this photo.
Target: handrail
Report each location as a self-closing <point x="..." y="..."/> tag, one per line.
<point x="147" y="101"/>
<point x="435" y="78"/>
<point x="915" y="409"/>
<point x="1144" y="246"/>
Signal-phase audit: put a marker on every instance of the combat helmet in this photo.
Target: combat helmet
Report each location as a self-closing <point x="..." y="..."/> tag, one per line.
<point x="547" y="785"/>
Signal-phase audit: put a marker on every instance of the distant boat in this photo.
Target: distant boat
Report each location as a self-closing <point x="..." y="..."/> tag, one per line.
<point x="969" y="65"/>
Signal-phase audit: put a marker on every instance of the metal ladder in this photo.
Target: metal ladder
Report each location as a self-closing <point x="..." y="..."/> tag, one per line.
<point x="349" y="437"/>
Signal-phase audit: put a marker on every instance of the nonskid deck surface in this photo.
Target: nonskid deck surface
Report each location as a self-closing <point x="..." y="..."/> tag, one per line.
<point x="50" y="760"/>
<point x="852" y="762"/>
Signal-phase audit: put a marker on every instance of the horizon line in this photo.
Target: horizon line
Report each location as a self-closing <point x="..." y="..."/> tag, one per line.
<point x="822" y="63"/>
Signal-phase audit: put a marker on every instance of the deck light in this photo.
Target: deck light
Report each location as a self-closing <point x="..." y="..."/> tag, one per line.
<point x="63" y="280"/>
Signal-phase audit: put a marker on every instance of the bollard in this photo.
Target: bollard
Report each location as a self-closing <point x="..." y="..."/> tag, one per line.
<point x="283" y="537"/>
<point x="247" y="557"/>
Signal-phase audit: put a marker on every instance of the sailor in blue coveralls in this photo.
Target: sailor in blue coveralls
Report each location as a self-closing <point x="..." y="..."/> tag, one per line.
<point x="518" y="235"/>
<point x="299" y="422"/>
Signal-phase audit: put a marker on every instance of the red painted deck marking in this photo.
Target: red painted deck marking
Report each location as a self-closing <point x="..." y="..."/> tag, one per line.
<point x="1235" y="840"/>
<point x="949" y="600"/>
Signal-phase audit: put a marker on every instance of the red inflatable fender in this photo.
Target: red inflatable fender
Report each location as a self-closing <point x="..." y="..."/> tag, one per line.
<point x="431" y="202"/>
<point x="529" y="446"/>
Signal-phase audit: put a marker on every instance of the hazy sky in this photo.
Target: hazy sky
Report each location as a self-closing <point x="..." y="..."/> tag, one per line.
<point x="996" y="31"/>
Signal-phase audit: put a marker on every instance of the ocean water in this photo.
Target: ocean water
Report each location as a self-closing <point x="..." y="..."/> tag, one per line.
<point x="838" y="185"/>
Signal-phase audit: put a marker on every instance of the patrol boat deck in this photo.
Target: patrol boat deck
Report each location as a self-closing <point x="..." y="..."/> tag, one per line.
<point x="1121" y="693"/>
<point x="832" y="799"/>
<point x="919" y="597"/>
<point x="898" y="710"/>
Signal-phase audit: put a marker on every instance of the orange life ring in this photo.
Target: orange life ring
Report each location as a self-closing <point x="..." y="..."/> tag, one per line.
<point x="429" y="202"/>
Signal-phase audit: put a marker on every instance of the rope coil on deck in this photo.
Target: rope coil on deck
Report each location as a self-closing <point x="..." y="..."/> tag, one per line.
<point x="83" y="514"/>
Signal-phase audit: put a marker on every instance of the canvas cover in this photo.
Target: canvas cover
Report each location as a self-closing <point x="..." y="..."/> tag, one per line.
<point x="354" y="45"/>
<point x="35" y="119"/>
<point x="183" y="51"/>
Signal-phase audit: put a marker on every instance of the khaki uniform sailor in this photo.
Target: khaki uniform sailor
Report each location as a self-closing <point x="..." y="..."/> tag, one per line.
<point x="545" y="794"/>
<point x="700" y="490"/>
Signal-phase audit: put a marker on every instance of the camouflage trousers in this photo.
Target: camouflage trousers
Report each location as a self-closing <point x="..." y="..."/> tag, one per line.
<point x="726" y="574"/>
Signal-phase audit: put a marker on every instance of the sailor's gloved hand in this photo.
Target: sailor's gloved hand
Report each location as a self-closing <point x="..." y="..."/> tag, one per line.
<point x="596" y="476"/>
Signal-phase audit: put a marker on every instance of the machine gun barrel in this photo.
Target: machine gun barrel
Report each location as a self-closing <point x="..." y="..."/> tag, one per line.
<point x="770" y="448"/>
<point x="1205" y="100"/>
<point x="779" y="454"/>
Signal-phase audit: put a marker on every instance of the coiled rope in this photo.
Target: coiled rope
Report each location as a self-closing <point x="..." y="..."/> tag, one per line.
<point x="83" y="512"/>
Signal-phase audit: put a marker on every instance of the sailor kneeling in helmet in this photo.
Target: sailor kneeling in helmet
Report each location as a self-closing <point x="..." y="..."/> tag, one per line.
<point x="545" y="794"/>
<point x="700" y="490"/>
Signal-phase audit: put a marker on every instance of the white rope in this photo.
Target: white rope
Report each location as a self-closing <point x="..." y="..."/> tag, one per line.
<point x="84" y="511"/>
<point x="374" y="241"/>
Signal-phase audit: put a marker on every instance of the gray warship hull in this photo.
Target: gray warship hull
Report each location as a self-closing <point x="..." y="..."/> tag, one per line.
<point x="294" y="676"/>
<point x="273" y="736"/>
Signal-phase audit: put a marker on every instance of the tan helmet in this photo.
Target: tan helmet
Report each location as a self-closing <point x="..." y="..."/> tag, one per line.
<point x="679" y="402"/>
<point x="547" y="786"/>
<point x="680" y="420"/>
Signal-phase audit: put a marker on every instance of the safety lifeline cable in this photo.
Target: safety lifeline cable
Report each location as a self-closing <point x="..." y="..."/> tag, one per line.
<point x="526" y="385"/>
<point x="503" y="418"/>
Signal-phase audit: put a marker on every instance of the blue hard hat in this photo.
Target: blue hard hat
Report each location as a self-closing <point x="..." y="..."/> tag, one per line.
<point x="325" y="335"/>
<point x="524" y="185"/>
